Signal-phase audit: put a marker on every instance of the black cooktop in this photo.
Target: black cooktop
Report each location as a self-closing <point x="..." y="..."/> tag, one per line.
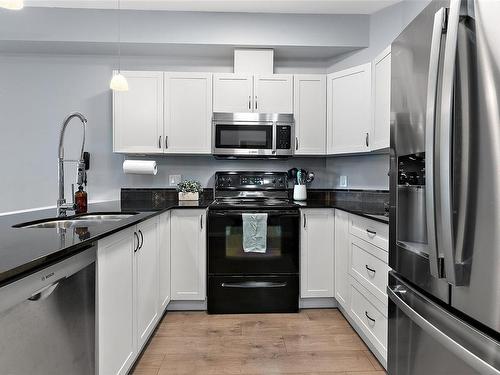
<point x="252" y="203"/>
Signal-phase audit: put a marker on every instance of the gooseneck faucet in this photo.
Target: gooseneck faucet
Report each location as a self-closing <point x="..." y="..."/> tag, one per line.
<point x="62" y="206"/>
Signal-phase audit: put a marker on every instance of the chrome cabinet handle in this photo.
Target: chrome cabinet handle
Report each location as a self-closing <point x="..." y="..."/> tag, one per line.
<point x="370" y="269"/>
<point x="304" y="220"/>
<point x="370" y="318"/>
<point x="430" y="120"/>
<point x="166" y="141"/>
<point x="159" y="142"/>
<point x="201" y="222"/>
<point x="138" y="242"/>
<point x="249" y="102"/>
<point x="256" y="106"/>
<point x="371" y="232"/>
<point x="142" y="239"/>
<point x="367" y="139"/>
<point x="296" y="143"/>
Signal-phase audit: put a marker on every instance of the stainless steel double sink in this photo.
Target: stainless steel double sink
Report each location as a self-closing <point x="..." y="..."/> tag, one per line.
<point x="84" y="220"/>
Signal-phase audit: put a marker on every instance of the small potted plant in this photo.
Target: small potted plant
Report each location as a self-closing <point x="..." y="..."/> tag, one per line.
<point x="189" y="190"/>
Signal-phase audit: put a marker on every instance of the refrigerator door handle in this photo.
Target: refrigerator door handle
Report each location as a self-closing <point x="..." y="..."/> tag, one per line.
<point x="430" y="126"/>
<point x="445" y="187"/>
<point x="398" y="295"/>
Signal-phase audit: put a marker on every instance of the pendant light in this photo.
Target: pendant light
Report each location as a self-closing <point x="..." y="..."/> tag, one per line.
<point x="119" y="82"/>
<point x="12" y="4"/>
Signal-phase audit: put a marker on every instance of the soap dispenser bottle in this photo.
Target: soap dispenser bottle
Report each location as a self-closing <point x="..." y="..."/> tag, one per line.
<point x="81" y="200"/>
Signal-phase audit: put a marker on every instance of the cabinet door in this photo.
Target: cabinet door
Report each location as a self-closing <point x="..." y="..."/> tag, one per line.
<point x="342" y="258"/>
<point x="188" y="241"/>
<point x="349" y="110"/>
<point x="188" y="113"/>
<point x="233" y="92"/>
<point x="116" y="347"/>
<point x="381" y="100"/>
<point x="317" y="253"/>
<point x="309" y="110"/>
<point x="147" y="280"/>
<point x="138" y="114"/>
<point x="273" y="93"/>
<point x="164" y="261"/>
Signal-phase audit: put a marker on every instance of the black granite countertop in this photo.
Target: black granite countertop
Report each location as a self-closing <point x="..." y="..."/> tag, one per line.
<point x="370" y="210"/>
<point x="25" y="250"/>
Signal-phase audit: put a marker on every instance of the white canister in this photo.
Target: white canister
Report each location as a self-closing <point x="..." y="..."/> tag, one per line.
<point x="299" y="193"/>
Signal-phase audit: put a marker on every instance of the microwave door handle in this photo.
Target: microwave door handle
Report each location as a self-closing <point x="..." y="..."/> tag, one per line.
<point x="430" y="126"/>
<point x="444" y="188"/>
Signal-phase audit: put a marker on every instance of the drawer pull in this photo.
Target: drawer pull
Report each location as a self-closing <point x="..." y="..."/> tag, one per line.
<point x="371" y="232"/>
<point x="369" y="318"/>
<point x="370" y="269"/>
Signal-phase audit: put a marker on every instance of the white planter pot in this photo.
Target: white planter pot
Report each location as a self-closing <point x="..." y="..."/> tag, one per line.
<point x="189" y="196"/>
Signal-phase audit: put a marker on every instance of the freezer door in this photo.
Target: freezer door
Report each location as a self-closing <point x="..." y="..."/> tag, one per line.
<point x="469" y="186"/>
<point x="425" y="339"/>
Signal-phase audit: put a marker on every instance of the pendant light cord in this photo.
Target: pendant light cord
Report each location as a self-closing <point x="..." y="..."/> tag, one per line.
<point x="119" y="37"/>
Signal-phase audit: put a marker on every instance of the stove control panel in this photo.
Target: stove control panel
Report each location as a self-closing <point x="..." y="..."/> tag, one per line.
<point x="251" y="180"/>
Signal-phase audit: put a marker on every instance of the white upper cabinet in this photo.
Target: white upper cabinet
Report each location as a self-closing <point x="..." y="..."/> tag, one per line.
<point x="248" y="93"/>
<point x="188" y="113"/>
<point x="317" y="253"/>
<point x="138" y="114"/>
<point x="309" y="96"/>
<point x="381" y="100"/>
<point x="349" y="110"/>
<point x="188" y="254"/>
<point x="233" y="92"/>
<point x="147" y="280"/>
<point x="273" y="93"/>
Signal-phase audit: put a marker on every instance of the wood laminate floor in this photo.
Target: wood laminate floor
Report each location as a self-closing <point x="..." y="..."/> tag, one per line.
<point x="315" y="341"/>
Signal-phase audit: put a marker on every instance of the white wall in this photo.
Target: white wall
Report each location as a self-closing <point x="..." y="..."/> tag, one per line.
<point x="37" y="92"/>
<point x="363" y="172"/>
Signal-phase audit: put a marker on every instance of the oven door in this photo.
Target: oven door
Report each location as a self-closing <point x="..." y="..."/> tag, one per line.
<point x="244" y="139"/>
<point x="225" y="244"/>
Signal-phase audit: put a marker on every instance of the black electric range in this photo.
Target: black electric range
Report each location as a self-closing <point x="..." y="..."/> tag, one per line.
<point x="245" y="281"/>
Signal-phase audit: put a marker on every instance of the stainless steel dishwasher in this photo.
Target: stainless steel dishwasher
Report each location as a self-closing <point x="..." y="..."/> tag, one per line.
<point x="47" y="320"/>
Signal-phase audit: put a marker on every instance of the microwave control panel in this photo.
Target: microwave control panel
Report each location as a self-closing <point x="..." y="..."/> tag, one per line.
<point x="283" y="137"/>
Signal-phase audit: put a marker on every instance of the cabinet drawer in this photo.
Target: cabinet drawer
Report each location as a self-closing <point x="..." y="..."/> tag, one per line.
<point x="369" y="318"/>
<point x="371" y="231"/>
<point x="368" y="265"/>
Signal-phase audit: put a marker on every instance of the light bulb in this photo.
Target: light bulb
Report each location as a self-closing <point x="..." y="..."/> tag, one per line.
<point x="12" y="4"/>
<point x="118" y="83"/>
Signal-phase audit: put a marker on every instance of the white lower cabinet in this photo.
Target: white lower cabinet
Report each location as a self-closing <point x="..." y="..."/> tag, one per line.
<point x="188" y="258"/>
<point x="342" y="258"/>
<point x="317" y="253"/>
<point x="147" y="280"/>
<point x="116" y="334"/>
<point x="361" y="274"/>
<point x="127" y="295"/>
<point x="164" y="261"/>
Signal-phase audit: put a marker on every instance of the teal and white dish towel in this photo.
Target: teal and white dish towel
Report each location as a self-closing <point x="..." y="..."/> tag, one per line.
<point x="254" y="232"/>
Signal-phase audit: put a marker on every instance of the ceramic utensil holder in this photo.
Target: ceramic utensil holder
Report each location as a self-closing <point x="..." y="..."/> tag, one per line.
<point x="299" y="193"/>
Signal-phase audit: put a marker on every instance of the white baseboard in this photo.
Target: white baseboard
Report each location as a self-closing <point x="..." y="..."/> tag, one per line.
<point x="187" y="306"/>
<point x="317" y="303"/>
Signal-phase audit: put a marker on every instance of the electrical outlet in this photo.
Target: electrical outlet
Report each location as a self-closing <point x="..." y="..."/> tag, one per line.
<point x="174" y="179"/>
<point x="343" y="181"/>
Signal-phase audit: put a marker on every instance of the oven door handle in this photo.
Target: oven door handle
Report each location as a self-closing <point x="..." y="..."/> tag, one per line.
<point x="294" y="213"/>
<point x="254" y="285"/>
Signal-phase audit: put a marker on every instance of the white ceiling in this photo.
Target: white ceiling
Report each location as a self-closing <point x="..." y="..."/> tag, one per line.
<point x="246" y="6"/>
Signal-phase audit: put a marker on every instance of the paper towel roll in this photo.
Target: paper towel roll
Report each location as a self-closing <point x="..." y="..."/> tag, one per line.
<point x="140" y="167"/>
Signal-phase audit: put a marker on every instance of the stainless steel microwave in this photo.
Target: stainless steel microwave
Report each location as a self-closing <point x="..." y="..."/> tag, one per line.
<point x="252" y="135"/>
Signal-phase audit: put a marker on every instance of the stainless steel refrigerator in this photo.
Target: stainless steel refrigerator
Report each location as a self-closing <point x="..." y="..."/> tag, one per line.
<point x="444" y="290"/>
